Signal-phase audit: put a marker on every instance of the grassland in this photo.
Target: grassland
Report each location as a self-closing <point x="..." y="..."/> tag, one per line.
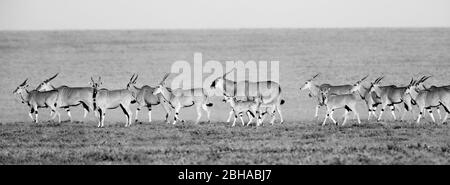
<point x="219" y="143"/>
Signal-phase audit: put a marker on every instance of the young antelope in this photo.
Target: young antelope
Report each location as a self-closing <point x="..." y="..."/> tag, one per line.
<point x="239" y="107"/>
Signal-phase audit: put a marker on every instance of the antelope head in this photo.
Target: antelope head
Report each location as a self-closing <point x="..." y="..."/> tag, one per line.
<point x="324" y="95"/>
<point x="308" y="84"/>
<point x="357" y="85"/>
<point x="96" y="84"/>
<point x="375" y="84"/>
<point x="161" y="85"/>
<point x="21" y="88"/>
<point x="45" y="85"/>
<point x="219" y="81"/>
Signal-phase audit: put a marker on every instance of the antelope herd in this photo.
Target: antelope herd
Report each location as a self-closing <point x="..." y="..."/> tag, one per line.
<point x="256" y="99"/>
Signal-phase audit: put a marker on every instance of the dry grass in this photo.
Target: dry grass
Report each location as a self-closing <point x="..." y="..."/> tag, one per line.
<point x="218" y="143"/>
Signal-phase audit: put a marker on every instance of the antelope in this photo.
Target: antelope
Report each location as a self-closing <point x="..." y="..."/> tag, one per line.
<point x="437" y="87"/>
<point x="239" y="107"/>
<point x="270" y="92"/>
<point x="104" y="99"/>
<point x="428" y="98"/>
<point x="181" y="98"/>
<point x="144" y="97"/>
<point x="390" y="96"/>
<point x="372" y="101"/>
<point x="35" y="99"/>
<point x="314" y="90"/>
<point x="70" y="96"/>
<point x="337" y="101"/>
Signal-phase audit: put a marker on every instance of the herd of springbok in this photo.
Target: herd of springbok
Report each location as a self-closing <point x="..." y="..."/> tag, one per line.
<point x="260" y="99"/>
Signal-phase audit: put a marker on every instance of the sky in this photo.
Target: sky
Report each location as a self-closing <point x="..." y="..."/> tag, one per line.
<point x="220" y="14"/>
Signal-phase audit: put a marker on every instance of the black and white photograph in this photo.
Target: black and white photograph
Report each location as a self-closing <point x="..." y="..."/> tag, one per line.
<point x="224" y="82"/>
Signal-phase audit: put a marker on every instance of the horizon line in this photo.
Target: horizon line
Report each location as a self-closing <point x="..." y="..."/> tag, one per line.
<point x="243" y="28"/>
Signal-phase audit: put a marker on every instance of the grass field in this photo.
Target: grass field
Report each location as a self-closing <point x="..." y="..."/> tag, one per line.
<point x="342" y="56"/>
<point x="218" y="143"/>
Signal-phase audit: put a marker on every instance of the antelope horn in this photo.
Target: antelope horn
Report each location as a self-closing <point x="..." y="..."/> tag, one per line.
<point x="164" y="78"/>
<point x="379" y="79"/>
<point x="24" y="82"/>
<point x="51" y="78"/>
<point x="131" y="79"/>
<point x="376" y="80"/>
<point x="424" y="79"/>
<point x="363" y="78"/>
<point x="92" y="80"/>
<point x="415" y="82"/>
<point x="223" y="76"/>
<point x="135" y="78"/>
<point x="315" y="76"/>
<point x="411" y="82"/>
<point x="420" y="80"/>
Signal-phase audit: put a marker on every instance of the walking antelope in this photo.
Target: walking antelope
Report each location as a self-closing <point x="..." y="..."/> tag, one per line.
<point x="314" y="90"/>
<point x="180" y="98"/>
<point x="270" y="92"/>
<point x="428" y="98"/>
<point x="145" y="98"/>
<point x="390" y="96"/>
<point x="70" y="96"/>
<point x="239" y="107"/>
<point x="338" y="101"/>
<point x="104" y="99"/>
<point x="437" y="87"/>
<point x="372" y="101"/>
<point x="35" y="99"/>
